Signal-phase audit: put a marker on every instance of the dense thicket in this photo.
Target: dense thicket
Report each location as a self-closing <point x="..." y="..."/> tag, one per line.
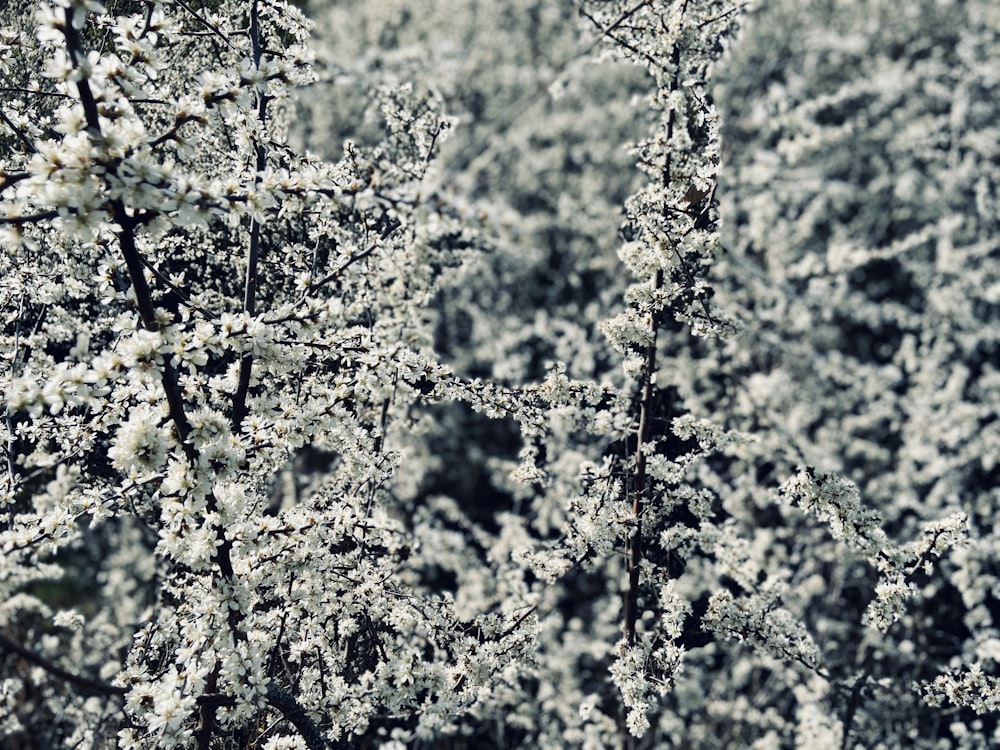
<point x="437" y="375"/>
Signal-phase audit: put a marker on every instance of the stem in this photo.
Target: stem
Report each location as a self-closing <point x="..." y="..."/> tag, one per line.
<point x="634" y="545"/>
<point x="223" y="554"/>
<point x="126" y="240"/>
<point x="296" y="715"/>
<point x="634" y="550"/>
<point x="147" y="312"/>
<point x="253" y="252"/>
<point x="144" y="302"/>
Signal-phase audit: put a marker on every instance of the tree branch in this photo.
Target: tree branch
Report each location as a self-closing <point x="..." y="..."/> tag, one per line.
<point x="126" y="240"/>
<point x="296" y="715"/>
<point x="86" y="684"/>
<point x="253" y="252"/>
<point x="634" y="544"/>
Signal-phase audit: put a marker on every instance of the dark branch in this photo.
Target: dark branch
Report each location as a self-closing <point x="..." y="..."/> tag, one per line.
<point x="253" y="253"/>
<point x="87" y="685"/>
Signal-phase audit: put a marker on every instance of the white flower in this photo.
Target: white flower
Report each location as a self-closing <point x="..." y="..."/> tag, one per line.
<point x="69" y="619"/>
<point x="141" y="444"/>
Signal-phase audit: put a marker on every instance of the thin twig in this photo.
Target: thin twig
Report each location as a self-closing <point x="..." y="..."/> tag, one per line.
<point x="211" y="29"/>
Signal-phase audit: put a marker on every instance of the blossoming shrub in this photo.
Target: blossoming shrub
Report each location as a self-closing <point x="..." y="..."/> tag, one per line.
<point x="331" y="420"/>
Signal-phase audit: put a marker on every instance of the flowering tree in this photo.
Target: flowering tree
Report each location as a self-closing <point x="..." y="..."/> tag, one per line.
<point x="253" y="300"/>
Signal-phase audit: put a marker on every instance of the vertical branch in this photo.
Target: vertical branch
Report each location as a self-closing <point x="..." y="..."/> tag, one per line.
<point x="147" y="313"/>
<point x="634" y="546"/>
<point x="253" y="251"/>
<point x="240" y="410"/>
<point x="144" y="301"/>
<point x="126" y="241"/>
<point x="634" y="550"/>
